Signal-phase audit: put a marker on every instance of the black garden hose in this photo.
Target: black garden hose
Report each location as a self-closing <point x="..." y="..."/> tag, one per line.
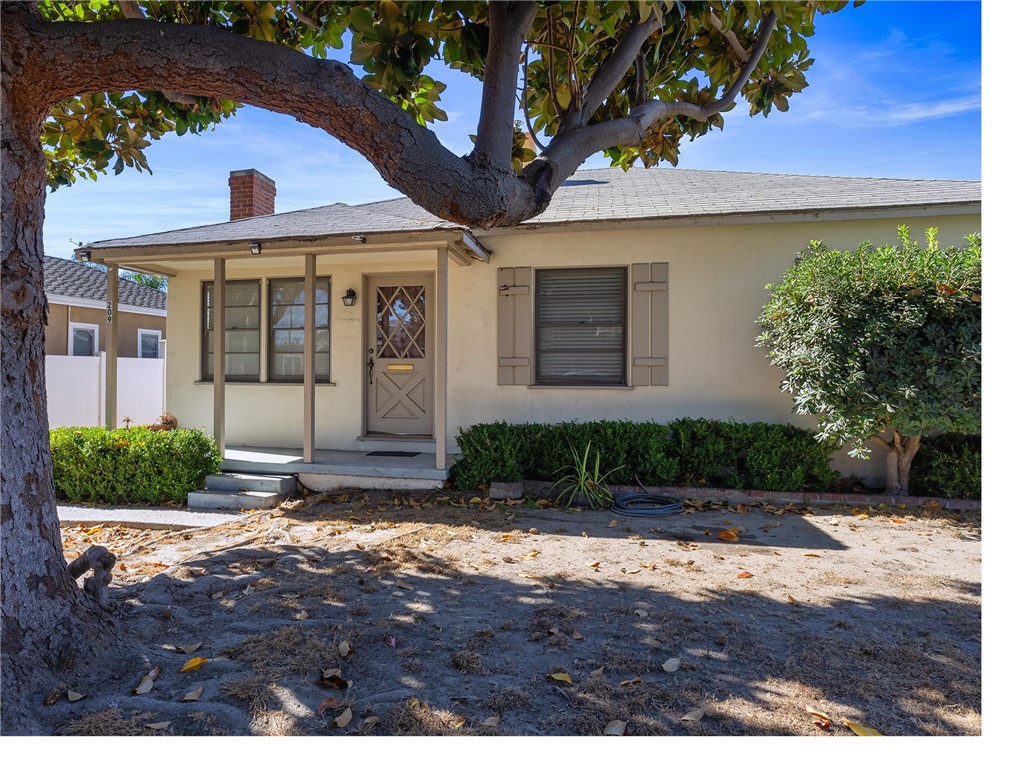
<point x="645" y="505"/>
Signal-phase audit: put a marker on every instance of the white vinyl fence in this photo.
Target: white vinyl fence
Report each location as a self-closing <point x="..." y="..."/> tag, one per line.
<point x="75" y="389"/>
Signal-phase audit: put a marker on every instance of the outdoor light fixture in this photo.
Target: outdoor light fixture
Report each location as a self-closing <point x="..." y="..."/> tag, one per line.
<point x="255" y="248"/>
<point x="349" y="299"/>
<point x="359" y="238"/>
<point x="84" y="256"/>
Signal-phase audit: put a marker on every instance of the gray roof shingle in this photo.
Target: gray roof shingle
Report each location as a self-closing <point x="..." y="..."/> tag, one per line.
<point x="606" y="194"/>
<point x="69" y="278"/>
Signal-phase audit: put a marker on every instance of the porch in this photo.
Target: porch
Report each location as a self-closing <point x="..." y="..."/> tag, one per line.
<point x="331" y="469"/>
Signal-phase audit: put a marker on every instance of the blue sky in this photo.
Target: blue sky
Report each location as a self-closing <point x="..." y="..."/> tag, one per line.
<point x="895" y="91"/>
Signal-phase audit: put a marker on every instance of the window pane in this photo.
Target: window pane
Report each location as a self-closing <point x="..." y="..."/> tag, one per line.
<point x="83" y="342"/>
<point x="149" y="345"/>
<point x="287" y="321"/>
<point x="580" y="316"/>
<point x="241" y="330"/>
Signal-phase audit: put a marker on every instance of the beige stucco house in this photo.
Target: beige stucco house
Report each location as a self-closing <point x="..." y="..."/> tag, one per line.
<point x="76" y="324"/>
<point x="381" y="326"/>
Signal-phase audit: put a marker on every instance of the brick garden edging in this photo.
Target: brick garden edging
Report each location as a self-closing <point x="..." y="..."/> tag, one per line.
<point x="733" y="495"/>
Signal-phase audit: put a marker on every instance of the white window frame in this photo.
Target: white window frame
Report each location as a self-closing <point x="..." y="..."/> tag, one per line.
<point x="152" y="332"/>
<point x="73" y="326"/>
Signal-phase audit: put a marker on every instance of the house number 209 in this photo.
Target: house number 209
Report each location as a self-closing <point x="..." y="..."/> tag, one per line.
<point x="110" y="312"/>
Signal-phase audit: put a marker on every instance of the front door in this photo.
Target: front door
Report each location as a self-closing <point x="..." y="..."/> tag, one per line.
<point x="400" y="355"/>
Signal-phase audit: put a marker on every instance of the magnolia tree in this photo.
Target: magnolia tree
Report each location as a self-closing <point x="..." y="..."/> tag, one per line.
<point x="883" y="345"/>
<point x="87" y="86"/>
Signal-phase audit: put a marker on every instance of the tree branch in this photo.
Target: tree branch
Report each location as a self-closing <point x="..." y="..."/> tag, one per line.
<point x="307" y="20"/>
<point x="568" y="151"/>
<point x="610" y="73"/>
<point x="131" y="10"/>
<point x="730" y="36"/>
<point x="508" y="24"/>
<point x="522" y="101"/>
<point x="65" y="59"/>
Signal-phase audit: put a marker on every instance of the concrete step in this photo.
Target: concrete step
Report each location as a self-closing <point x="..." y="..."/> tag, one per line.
<point x="212" y="498"/>
<point x="237" y="481"/>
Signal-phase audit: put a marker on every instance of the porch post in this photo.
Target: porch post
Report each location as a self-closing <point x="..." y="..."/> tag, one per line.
<point x="441" y="359"/>
<point x="113" y="274"/>
<point x="218" y="354"/>
<point x="309" y="362"/>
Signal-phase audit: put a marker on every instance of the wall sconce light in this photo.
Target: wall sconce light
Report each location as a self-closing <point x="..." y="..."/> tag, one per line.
<point x="84" y="256"/>
<point x="255" y="248"/>
<point x="349" y="299"/>
<point x="359" y="238"/>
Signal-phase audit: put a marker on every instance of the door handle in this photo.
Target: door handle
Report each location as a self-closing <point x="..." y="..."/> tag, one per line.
<point x="369" y="368"/>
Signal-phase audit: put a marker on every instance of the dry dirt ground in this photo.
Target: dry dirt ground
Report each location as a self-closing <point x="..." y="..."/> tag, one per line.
<point x="435" y="614"/>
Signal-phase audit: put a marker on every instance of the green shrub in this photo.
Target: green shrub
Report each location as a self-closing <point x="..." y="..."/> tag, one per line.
<point x="541" y="451"/>
<point x="133" y="465"/>
<point x="768" y="457"/>
<point x="948" y="466"/>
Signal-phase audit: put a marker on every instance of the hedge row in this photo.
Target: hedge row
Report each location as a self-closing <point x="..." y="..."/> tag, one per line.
<point x="771" y="457"/>
<point x="133" y="465"/>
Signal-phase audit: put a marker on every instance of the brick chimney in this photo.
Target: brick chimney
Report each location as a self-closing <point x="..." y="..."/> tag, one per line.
<point x="252" y="194"/>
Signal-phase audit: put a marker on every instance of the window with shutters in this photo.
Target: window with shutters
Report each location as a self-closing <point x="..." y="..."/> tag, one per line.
<point x="580" y="326"/>
<point x="241" y="330"/>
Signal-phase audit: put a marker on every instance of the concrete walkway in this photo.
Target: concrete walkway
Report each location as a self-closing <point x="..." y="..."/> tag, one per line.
<point x="141" y="517"/>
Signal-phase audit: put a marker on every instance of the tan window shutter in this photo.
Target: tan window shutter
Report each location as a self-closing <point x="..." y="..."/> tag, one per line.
<point x="515" y="325"/>
<point x="650" y="325"/>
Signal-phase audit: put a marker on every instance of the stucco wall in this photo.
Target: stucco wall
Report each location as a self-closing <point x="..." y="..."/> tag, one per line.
<point x="128" y="325"/>
<point x="717" y="276"/>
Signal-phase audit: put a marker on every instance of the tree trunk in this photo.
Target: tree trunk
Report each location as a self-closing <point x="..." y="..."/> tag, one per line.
<point x="900" y="454"/>
<point x="46" y="620"/>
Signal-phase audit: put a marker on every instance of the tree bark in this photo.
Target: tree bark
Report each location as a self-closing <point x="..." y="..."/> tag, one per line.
<point x="44" y="614"/>
<point x="900" y="452"/>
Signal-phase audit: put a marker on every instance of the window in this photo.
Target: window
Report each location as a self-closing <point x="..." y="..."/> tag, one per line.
<point x="149" y="343"/>
<point x="580" y="322"/>
<point x="241" y="330"/>
<point x="287" y="329"/>
<point x="83" y="339"/>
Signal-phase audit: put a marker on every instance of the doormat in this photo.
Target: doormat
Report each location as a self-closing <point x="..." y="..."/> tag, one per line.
<point x="398" y="454"/>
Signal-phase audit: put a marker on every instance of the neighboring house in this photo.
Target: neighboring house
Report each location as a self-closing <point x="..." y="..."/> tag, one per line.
<point x="76" y="323"/>
<point x="634" y="296"/>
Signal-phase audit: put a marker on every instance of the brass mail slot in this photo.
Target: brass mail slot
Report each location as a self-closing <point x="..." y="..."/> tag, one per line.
<point x="400" y="367"/>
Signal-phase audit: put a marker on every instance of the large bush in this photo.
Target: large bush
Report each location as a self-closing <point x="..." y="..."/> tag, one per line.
<point x="768" y="457"/>
<point x="948" y="466"/>
<point x="772" y="457"/>
<point x="881" y="344"/>
<point x="133" y="465"/>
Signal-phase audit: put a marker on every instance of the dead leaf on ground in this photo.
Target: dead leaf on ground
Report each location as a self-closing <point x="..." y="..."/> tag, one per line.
<point x="640" y="611"/>
<point x="577" y="635"/>
<point x="615" y="728"/>
<point x="561" y="677"/>
<point x="810" y="554"/>
<point x="193" y="664"/>
<point x="368" y="723"/>
<point x="459" y="721"/>
<point x="860" y="730"/>
<point x="301" y="615"/>
<point x="632" y="571"/>
<point x="53" y="697"/>
<point x="820" y="719"/>
<point x="631" y="681"/>
<point x="191" y="648"/>
<point x="744" y="575"/>
<point x="491" y="722"/>
<point x="728" y="536"/>
<point x="790" y="599"/>
<point x="216" y="595"/>
<point x="595" y="564"/>
<point x="193" y="695"/>
<point x="693" y="715"/>
<point x="345" y="649"/>
<point x="612" y="523"/>
<point x="390" y="640"/>
<point x="331" y="678"/>
<point x="147" y="682"/>
<point x="898" y="520"/>
<point x="329" y="703"/>
<point x="649" y="566"/>
<point x="531" y="555"/>
<point x="159" y="726"/>
<point x="75" y="695"/>
<point x="403" y="584"/>
<point x="344" y="718"/>
<point x="672" y="665"/>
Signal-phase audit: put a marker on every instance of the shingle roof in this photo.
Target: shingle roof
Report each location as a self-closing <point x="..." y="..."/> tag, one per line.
<point x="69" y="278"/>
<point x="606" y="194"/>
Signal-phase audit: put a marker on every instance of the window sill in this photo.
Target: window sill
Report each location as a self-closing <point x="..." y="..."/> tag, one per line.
<point x="267" y="383"/>
<point x="576" y="387"/>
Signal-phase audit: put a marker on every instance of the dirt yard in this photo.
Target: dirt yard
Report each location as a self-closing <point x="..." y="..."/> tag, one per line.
<point x="378" y="615"/>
